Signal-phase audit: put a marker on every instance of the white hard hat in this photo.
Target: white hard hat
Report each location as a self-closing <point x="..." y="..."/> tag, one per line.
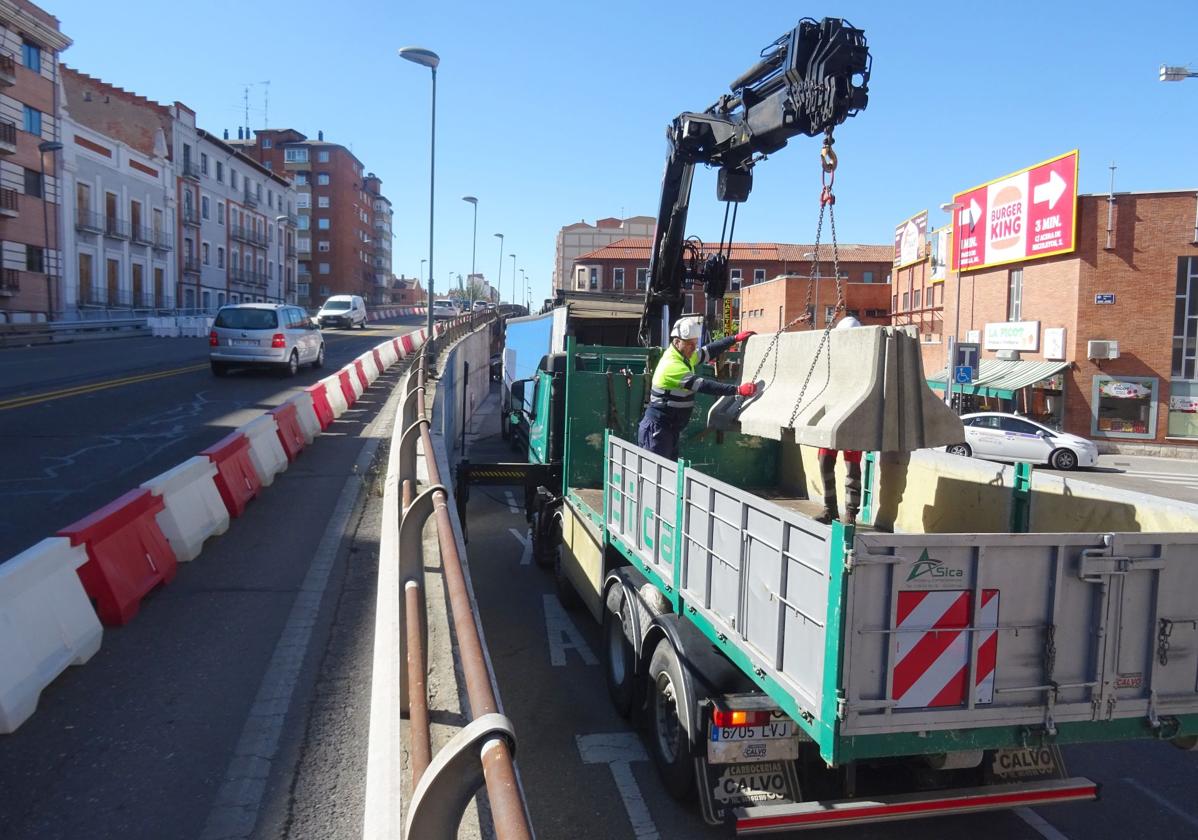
<point x="847" y="323"/>
<point x="687" y="328"/>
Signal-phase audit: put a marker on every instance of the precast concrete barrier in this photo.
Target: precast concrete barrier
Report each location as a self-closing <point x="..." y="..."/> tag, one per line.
<point x="321" y="408"/>
<point x="291" y="436"/>
<point x="127" y="554"/>
<point x="305" y="415"/>
<point x="335" y="389"/>
<point x="46" y="624"/>
<point x="236" y="478"/>
<point x="265" y="449"/>
<point x="192" y="508"/>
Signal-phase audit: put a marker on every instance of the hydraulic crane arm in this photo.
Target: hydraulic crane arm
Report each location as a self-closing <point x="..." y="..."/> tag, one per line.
<point x="811" y="79"/>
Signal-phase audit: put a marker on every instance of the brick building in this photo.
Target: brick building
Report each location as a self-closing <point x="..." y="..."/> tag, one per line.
<point x="1134" y="282"/>
<point x="30" y="264"/>
<point x="772" y="305"/>
<point x="580" y="238"/>
<point x="339" y="204"/>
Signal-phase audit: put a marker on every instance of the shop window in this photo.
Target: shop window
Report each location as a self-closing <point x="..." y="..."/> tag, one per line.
<point x="1015" y="295"/>
<point x="1125" y="406"/>
<point x="1183" y="409"/>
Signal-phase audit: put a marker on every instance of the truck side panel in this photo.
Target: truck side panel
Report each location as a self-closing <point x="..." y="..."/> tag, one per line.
<point x="582" y="558"/>
<point x="642" y="505"/>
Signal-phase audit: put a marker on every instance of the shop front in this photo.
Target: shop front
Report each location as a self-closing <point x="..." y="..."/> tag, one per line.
<point x="1124" y="407"/>
<point x="1033" y="389"/>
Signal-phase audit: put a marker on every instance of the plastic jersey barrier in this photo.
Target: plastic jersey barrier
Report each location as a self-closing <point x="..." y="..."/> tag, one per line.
<point x="236" y="478"/>
<point x="348" y="393"/>
<point x="368" y="367"/>
<point x="47" y="622"/>
<point x="378" y="361"/>
<point x="405" y="341"/>
<point x="127" y="554"/>
<point x="321" y="408"/>
<point x="335" y="394"/>
<point x="291" y="436"/>
<point x="355" y="379"/>
<point x="193" y="510"/>
<point x="360" y="369"/>
<point x="400" y="352"/>
<point x="305" y="415"/>
<point x="265" y="449"/>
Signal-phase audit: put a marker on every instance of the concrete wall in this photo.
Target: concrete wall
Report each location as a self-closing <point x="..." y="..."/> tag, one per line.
<point x="453" y="412"/>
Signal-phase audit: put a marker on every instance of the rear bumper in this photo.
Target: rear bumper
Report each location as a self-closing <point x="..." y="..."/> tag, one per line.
<point x="229" y="355"/>
<point x="770" y="819"/>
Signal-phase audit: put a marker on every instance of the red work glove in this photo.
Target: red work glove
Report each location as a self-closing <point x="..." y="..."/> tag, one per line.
<point x="741" y="336"/>
<point x="747" y="390"/>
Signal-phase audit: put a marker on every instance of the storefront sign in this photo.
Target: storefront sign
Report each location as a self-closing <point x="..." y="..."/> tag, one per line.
<point x="727" y="316"/>
<point x="973" y="336"/>
<point x="1013" y="335"/>
<point x="1104" y="297"/>
<point x="1187" y="405"/>
<point x="1021" y="216"/>
<point x="1054" y="344"/>
<point x="1124" y="390"/>
<point x="910" y="239"/>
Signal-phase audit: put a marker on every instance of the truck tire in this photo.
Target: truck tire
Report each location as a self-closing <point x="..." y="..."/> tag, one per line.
<point x="618" y="651"/>
<point x="543" y="541"/>
<point x="669" y="738"/>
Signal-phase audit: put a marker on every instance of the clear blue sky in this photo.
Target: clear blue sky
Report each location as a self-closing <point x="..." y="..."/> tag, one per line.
<point x="552" y="112"/>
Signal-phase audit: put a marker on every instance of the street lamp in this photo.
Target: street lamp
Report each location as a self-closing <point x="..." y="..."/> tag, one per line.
<point x="524" y="283"/>
<point x="474" y="241"/>
<point x="1177" y="74"/>
<point x="951" y="207"/>
<point x="515" y="294"/>
<point x="51" y="279"/>
<point x="429" y="59"/>
<point x="283" y="220"/>
<point x="499" y="279"/>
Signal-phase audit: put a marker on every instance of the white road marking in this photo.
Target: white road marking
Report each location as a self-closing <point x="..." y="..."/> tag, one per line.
<point x="511" y="502"/>
<point x="618" y="750"/>
<point x="1163" y="802"/>
<point x="563" y="635"/>
<point x="1042" y="826"/>
<point x="526" y="541"/>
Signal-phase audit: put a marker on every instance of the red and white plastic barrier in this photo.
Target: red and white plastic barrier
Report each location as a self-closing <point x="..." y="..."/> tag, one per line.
<point x="335" y="394"/>
<point x="306" y="416"/>
<point x="359" y="375"/>
<point x="348" y="378"/>
<point x="236" y="478"/>
<point x="265" y="449"/>
<point x="193" y="510"/>
<point x="46" y="625"/>
<point x="321" y="405"/>
<point x="291" y="436"/>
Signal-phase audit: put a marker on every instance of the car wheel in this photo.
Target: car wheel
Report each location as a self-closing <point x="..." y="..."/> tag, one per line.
<point x="960" y="449"/>
<point x="292" y="364"/>
<point x="319" y="362"/>
<point x="220" y="369"/>
<point x="1063" y="459"/>
<point x="618" y="651"/>
<point x="669" y="740"/>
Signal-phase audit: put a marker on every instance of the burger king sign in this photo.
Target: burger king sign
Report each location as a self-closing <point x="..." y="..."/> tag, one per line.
<point x="1025" y="215"/>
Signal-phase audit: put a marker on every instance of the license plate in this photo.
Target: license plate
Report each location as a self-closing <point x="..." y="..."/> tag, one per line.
<point x="774" y="741"/>
<point x="243" y="342"/>
<point x="1028" y="763"/>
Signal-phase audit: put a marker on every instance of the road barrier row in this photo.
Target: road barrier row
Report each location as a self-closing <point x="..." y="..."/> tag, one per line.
<point x="55" y="596"/>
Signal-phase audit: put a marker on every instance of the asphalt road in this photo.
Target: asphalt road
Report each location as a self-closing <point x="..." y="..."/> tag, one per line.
<point x="547" y="662"/>
<point x="82" y="423"/>
<point x="236" y="703"/>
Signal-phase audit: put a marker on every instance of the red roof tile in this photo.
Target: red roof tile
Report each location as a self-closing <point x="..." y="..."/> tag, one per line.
<point x="637" y="248"/>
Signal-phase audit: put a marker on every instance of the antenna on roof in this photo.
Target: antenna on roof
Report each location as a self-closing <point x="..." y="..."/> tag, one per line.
<point x="265" y="103"/>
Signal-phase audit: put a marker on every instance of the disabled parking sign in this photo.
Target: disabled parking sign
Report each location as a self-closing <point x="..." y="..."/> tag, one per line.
<point x="964" y="374"/>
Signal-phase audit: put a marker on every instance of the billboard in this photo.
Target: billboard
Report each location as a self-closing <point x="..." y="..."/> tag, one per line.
<point x="910" y="237"/>
<point x="941" y="241"/>
<point x="1028" y="214"/>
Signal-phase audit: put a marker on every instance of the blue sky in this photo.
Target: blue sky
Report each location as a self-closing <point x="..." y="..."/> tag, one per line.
<point x="553" y="112"/>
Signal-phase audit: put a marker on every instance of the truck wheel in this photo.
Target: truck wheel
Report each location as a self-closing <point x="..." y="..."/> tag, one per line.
<point x="561" y="584"/>
<point x="542" y="541"/>
<point x="618" y="652"/>
<point x="669" y="740"/>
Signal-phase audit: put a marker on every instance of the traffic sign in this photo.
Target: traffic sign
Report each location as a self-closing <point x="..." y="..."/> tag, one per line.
<point x="966" y="354"/>
<point x="964" y="375"/>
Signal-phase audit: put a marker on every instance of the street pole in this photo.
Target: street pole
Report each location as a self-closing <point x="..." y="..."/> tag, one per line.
<point x="499" y="279"/>
<point x="474" y="241"/>
<point x="515" y="294"/>
<point x="954" y="208"/>
<point x="51" y="276"/>
<point x="429" y="59"/>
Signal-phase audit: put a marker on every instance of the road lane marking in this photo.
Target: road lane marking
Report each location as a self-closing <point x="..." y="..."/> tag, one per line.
<point x="526" y="542"/>
<point x="618" y="750"/>
<point x="1163" y="802"/>
<point x="1041" y="826"/>
<point x="563" y="635"/>
<point x="47" y="396"/>
<point x="511" y="502"/>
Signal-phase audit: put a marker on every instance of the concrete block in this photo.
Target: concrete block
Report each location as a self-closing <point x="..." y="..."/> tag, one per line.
<point x="193" y="509"/>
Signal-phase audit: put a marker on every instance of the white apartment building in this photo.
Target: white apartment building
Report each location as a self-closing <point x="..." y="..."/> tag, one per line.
<point x="581" y="238"/>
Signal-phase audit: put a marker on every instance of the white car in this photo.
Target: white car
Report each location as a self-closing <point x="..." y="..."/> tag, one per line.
<point x="1007" y="437"/>
<point x="445" y="309"/>
<point x="264" y="334"/>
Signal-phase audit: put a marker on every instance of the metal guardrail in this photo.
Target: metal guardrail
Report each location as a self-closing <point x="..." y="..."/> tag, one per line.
<point x="481" y="754"/>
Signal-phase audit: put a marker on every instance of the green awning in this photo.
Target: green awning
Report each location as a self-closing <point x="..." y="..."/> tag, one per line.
<point x="999" y="378"/>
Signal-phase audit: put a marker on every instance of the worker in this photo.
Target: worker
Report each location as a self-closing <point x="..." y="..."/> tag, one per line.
<point x="672" y="397"/>
<point x="852" y="466"/>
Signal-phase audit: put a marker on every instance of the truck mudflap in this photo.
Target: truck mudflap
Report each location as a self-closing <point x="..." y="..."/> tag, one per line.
<point x="770" y="819"/>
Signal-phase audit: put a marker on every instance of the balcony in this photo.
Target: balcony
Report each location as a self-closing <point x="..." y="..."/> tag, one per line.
<point x="163" y="241"/>
<point x="247" y="277"/>
<point x="248" y="235"/>
<point x="291" y="252"/>
<point x="304" y="249"/>
<point x="8" y="70"/>
<point x="10" y="282"/>
<point x="191" y="264"/>
<point x="89" y="222"/>
<point x="9" y="205"/>
<point x="190" y="169"/>
<point x="142" y="235"/>
<point x="251" y="197"/>
<point x="8" y="138"/>
<point x="116" y="228"/>
<point x="191" y="216"/>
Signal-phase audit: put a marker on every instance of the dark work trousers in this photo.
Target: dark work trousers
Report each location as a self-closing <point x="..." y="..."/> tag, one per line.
<point x="657" y="436"/>
<point x="852" y="484"/>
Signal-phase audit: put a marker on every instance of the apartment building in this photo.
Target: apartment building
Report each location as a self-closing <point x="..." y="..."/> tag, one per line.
<point x="581" y="238"/>
<point x="30" y="139"/>
<point x="380" y="243"/>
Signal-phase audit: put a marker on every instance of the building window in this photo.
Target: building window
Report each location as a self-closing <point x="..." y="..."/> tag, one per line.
<point x="220" y="172"/>
<point x="867" y="277"/>
<point x="829" y="313"/>
<point x="301" y="179"/>
<point x="617" y="279"/>
<point x="323" y="268"/>
<point x="233" y="178"/>
<point x="204" y="208"/>
<point x="204" y="253"/>
<point x="220" y="212"/>
<point x="322" y="245"/>
<point x="295" y="154"/>
<point x="594" y="284"/>
<point x="35" y="258"/>
<point x="915" y="298"/>
<point x="322" y="224"/>
<point x="1124" y="406"/>
<point x="31" y="56"/>
<point x="268" y="164"/>
<point x="894" y="303"/>
<point x="303" y="222"/>
<point x="220" y="257"/>
<point x="642" y="279"/>
<point x="203" y="163"/>
<point x="759" y="275"/>
<point x="580" y="281"/>
<point x="33" y="120"/>
<point x="303" y="201"/>
<point x="322" y="156"/>
<point x="906" y="301"/>
<point x="322" y="201"/>
<point x="322" y="179"/>
<point x="1015" y="294"/>
<point x="734" y="277"/>
<point x="267" y="143"/>
<point x="33" y="183"/>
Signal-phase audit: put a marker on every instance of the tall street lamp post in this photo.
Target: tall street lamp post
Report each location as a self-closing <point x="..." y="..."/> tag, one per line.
<point x="515" y="294"/>
<point x="429" y="59"/>
<point x="499" y="279"/>
<point x="474" y="241"/>
<point x="51" y="276"/>
<point x="953" y="208"/>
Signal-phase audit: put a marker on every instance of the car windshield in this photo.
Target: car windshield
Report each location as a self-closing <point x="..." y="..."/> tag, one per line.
<point x="336" y="305"/>
<point x="247" y="319"/>
<point x="443" y="303"/>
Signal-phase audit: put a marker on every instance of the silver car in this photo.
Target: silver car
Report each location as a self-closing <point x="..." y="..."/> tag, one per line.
<point x="997" y="436"/>
<point x="264" y="334"/>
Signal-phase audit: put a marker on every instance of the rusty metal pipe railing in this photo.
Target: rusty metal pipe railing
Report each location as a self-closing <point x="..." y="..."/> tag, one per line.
<point x="422" y="748"/>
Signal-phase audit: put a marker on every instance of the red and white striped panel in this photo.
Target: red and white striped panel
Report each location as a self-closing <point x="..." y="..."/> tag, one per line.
<point x="932" y="667"/>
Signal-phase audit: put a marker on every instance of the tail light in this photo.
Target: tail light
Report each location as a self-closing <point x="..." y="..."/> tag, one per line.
<point x="278" y="340"/>
<point x="730" y="717"/>
<point x="212" y="340"/>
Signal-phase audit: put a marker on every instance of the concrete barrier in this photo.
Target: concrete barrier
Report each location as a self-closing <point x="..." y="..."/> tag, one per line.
<point x="265" y="449"/>
<point x="236" y="477"/>
<point x="46" y="624"/>
<point x="193" y="510"/>
<point x="127" y="554"/>
<point x="306" y="415"/>
<point x="335" y="392"/>
<point x="291" y="436"/>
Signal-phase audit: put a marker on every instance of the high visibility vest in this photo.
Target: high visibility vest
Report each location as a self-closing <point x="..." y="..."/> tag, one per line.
<point x="667" y="397"/>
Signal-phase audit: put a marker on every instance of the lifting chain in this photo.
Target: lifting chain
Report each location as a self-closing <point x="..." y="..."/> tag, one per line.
<point x="1050" y="652"/>
<point x="1162" y="641"/>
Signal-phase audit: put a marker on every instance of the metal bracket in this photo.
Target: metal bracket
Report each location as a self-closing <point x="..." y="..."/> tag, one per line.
<point x="1095" y="567"/>
<point x="408" y="411"/>
<point x="453" y="778"/>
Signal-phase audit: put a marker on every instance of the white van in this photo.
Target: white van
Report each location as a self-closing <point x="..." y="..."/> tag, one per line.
<point x="343" y="311"/>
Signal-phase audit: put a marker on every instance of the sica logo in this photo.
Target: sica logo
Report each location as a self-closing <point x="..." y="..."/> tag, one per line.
<point x="926" y="567"/>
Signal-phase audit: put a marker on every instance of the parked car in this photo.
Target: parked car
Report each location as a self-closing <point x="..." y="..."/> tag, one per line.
<point x="264" y="334"/>
<point x="343" y="311"/>
<point x="1007" y="437"/>
<point x="446" y="309"/>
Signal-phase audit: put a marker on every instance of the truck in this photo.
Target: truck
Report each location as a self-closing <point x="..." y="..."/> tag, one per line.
<point x="792" y="674"/>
